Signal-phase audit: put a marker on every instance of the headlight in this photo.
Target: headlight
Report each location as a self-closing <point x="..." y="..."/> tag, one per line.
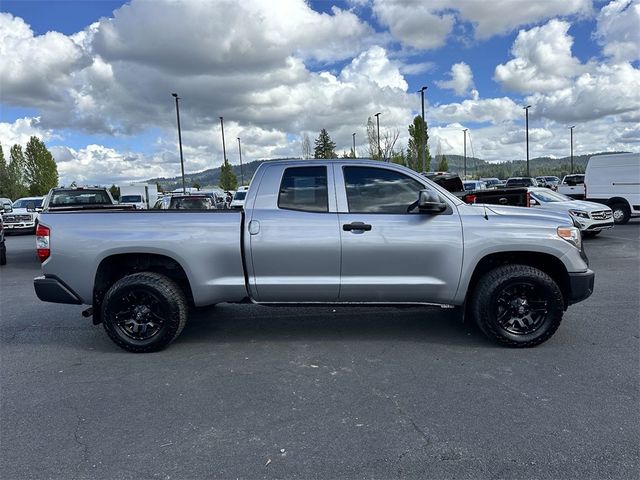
<point x="571" y="235"/>
<point x="579" y="213"/>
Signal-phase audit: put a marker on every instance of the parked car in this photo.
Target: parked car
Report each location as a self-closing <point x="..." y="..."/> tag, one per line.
<point x="491" y="182"/>
<point x="548" y="181"/>
<point x="239" y="197"/>
<point x="322" y="231"/>
<point x="135" y="200"/>
<point x="3" y="247"/>
<point x="592" y="217"/>
<point x="78" y="197"/>
<point x="184" y="202"/>
<point x="572" y="186"/>
<point x="521" y="182"/>
<point x="24" y="215"/>
<point x="471" y="185"/>
<point x="614" y="180"/>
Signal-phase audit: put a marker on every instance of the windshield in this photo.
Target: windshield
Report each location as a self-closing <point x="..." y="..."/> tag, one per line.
<point x="240" y="195"/>
<point x="25" y="202"/>
<point x="190" y="203"/>
<point x="550" y="196"/>
<point x="130" y="198"/>
<point x="79" y="197"/>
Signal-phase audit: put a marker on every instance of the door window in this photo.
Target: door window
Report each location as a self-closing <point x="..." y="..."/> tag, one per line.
<point x="378" y="190"/>
<point x="305" y="189"/>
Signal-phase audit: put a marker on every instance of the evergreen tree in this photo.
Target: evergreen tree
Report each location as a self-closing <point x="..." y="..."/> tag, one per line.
<point x="40" y="169"/>
<point x="443" y="166"/>
<point x="4" y="175"/>
<point x="196" y="185"/>
<point x="228" y="179"/>
<point x="16" y="182"/>
<point x="418" y="143"/>
<point x="325" y="148"/>
<point x="114" y="191"/>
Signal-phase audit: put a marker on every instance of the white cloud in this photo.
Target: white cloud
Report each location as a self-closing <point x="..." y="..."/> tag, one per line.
<point x="543" y="60"/>
<point x="20" y="131"/>
<point x="373" y="65"/>
<point x="618" y="30"/>
<point x="461" y="80"/>
<point x="414" y="22"/>
<point x="494" y="110"/>
<point x="34" y="69"/>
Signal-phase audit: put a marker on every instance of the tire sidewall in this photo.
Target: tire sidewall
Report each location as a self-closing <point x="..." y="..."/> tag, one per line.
<point x="624" y="215"/>
<point x="168" y="330"/>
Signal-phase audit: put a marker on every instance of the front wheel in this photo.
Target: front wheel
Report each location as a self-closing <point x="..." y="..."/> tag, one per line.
<point x="621" y="213"/>
<point x="144" y="312"/>
<point x="517" y="305"/>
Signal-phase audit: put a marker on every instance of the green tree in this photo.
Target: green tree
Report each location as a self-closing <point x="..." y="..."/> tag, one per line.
<point x="418" y="143"/>
<point x="40" y="169"/>
<point x="17" y="186"/>
<point x="399" y="157"/>
<point x="325" y="148"/>
<point x="443" y="165"/>
<point x="4" y="175"/>
<point x="114" y="191"/>
<point x="372" y="138"/>
<point x="228" y="179"/>
<point x="196" y="185"/>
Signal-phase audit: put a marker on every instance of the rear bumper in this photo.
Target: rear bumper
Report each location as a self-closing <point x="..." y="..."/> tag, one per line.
<point x="52" y="289"/>
<point x="580" y="286"/>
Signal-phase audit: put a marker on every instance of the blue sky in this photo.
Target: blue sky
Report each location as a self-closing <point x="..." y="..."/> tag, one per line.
<point x="99" y="94"/>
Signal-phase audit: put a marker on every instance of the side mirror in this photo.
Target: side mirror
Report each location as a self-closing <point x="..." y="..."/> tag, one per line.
<point x="533" y="201"/>
<point x="7" y="208"/>
<point x="429" y="202"/>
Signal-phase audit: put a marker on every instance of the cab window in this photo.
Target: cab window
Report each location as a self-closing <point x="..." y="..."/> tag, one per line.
<point x="378" y="190"/>
<point x="304" y="189"/>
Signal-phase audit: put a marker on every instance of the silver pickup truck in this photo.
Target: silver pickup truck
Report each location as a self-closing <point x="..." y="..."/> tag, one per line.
<point x="317" y="232"/>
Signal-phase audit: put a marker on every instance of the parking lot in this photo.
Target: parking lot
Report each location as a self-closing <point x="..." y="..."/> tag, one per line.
<point x="324" y="392"/>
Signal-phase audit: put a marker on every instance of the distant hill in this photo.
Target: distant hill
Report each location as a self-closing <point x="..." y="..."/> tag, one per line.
<point x="476" y="168"/>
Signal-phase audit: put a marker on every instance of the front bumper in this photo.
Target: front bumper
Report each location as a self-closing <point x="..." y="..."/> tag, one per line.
<point x="580" y="286"/>
<point x="52" y="289"/>
<point x="20" y="226"/>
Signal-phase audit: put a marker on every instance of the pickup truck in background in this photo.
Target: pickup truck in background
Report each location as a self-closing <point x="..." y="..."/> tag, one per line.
<point x="317" y="232"/>
<point x="451" y="182"/>
<point x="74" y="198"/>
<point x="572" y="186"/>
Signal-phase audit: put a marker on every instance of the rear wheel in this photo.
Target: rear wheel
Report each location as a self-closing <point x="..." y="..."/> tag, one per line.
<point x="144" y="312"/>
<point x="621" y="213"/>
<point x="517" y="305"/>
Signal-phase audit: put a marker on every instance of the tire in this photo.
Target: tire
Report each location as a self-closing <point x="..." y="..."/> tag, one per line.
<point x="621" y="213"/>
<point x="3" y="255"/>
<point x="502" y="305"/>
<point x="144" y="312"/>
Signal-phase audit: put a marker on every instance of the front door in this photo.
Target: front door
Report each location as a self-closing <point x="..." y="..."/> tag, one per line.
<point x="399" y="254"/>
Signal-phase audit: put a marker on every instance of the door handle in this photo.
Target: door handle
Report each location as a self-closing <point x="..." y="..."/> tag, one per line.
<point x="348" y="227"/>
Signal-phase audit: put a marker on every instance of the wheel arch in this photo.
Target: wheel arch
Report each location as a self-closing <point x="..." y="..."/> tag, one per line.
<point x="114" y="267"/>
<point x="545" y="262"/>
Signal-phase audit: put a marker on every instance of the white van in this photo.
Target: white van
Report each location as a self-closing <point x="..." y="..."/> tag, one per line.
<point x="615" y="181"/>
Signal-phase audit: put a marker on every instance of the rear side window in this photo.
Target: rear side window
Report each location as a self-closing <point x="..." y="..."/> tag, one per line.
<point x="378" y="190"/>
<point x="305" y="189"/>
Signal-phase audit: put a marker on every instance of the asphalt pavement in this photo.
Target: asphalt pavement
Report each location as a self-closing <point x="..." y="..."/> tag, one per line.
<point x="324" y="392"/>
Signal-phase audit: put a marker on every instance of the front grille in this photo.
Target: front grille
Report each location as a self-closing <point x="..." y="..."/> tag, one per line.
<point x="17" y="218"/>
<point x="601" y="215"/>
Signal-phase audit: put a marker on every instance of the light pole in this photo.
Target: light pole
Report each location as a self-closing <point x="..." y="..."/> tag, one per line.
<point x="571" y="130"/>
<point x="377" y="115"/>
<point x="354" y="144"/>
<point x="240" y="152"/>
<point x="526" y="110"/>
<point x="224" y="150"/>
<point x="465" y="152"/>
<point x="423" y="152"/>
<point x="175" y="95"/>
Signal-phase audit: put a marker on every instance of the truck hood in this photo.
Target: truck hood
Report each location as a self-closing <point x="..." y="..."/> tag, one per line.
<point x="533" y="213"/>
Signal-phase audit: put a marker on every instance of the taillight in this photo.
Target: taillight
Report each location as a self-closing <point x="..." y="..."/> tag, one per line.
<point x="42" y="242"/>
<point x="470" y="198"/>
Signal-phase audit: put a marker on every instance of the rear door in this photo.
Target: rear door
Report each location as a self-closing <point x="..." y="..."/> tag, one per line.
<point x="391" y="254"/>
<point x="294" y="235"/>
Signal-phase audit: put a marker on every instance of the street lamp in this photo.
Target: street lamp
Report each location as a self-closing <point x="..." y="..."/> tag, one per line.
<point x="354" y="144"/>
<point x="526" y="110"/>
<point x="377" y="115"/>
<point x="240" y="152"/>
<point x="465" y="152"/>
<point x="424" y="125"/>
<point x="175" y="95"/>
<point x="571" y="130"/>
<point x="224" y="150"/>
